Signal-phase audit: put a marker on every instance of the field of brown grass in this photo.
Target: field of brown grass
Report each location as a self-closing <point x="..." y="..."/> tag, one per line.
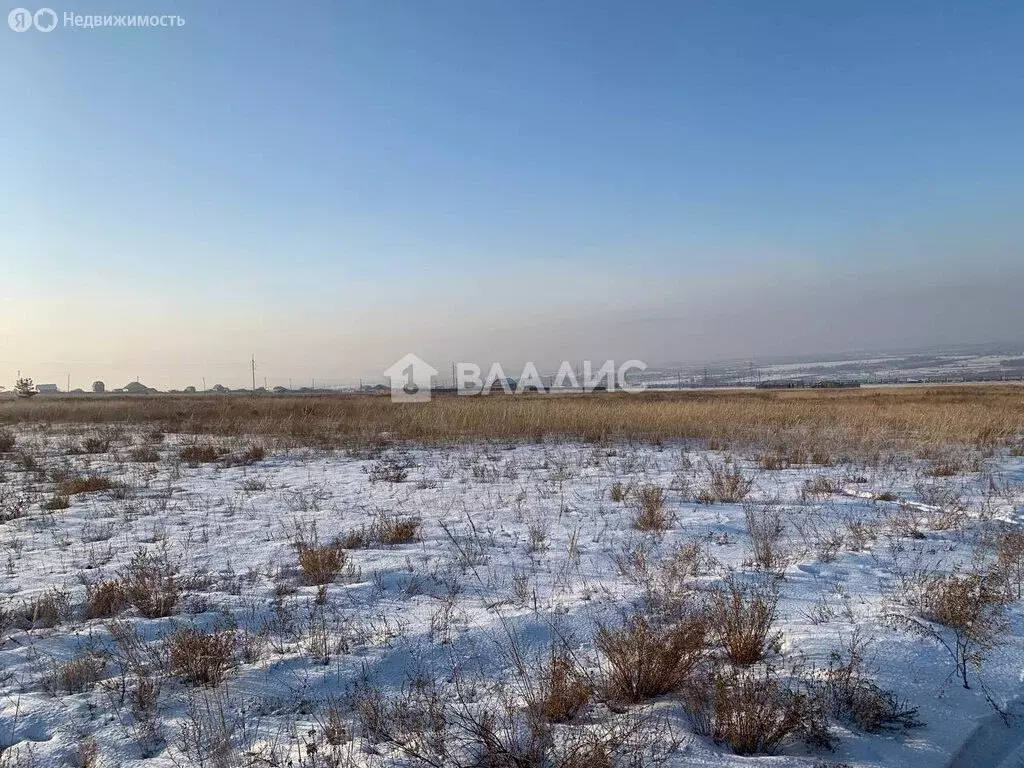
<point x="846" y="420"/>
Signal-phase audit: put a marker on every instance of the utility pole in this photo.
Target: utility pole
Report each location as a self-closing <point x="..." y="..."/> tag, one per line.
<point x="69" y="383"/>
<point x="204" y="383"/>
<point x="254" y="373"/>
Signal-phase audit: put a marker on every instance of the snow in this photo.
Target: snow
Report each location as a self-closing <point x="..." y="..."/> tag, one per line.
<point x="516" y="540"/>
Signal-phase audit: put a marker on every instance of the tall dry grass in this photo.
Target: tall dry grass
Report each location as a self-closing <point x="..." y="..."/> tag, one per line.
<point x="858" y="421"/>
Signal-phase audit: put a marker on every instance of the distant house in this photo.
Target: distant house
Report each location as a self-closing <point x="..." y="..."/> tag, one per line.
<point x="135" y="388"/>
<point x="47" y="389"/>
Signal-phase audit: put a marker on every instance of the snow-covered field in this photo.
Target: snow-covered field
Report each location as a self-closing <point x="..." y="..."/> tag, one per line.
<point x="519" y="549"/>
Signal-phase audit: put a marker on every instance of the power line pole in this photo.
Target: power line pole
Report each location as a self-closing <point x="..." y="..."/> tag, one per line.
<point x="254" y="373"/>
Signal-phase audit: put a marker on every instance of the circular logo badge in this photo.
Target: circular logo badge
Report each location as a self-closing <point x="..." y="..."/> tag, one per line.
<point x="45" y="19"/>
<point x="20" y="20"/>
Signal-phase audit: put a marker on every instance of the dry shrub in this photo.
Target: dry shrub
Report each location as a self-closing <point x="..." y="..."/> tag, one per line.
<point x="200" y="453"/>
<point x="618" y="492"/>
<point x="150" y="584"/>
<point x="105" y="599"/>
<point x="79" y="675"/>
<point x="741" y="618"/>
<point x="649" y="513"/>
<point x="854" y="699"/>
<point x="947" y="467"/>
<point x="1010" y="561"/>
<point x="754" y="713"/>
<point x="781" y="457"/>
<point x="96" y="444"/>
<point x="321" y="565"/>
<point x="818" y="487"/>
<point x="971" y="604"/>
<point x="56" y="502"/>
<point x="46" y="610"/>
<point x="726" y="484"/>
<point x="395" y="529"/>
<point x="144" y="454"/>
<point x="357" y="538"/>
<point x="388" y="470"/>
<point x="764" y="524"/>
<point x="84" y="484"/>
<point x="201" y="659"/>
<point x="252" y="454"/>
<point x="859" y="535"/>
<point x="562" y="689"/>
<point x="7" y="441"/>
<point x="652" y="655"/>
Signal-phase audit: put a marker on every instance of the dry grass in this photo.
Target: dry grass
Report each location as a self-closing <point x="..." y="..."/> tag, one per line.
<point x="84" y="484"/>
<point x="741" y="619"/>
<point x="105" y="599"/>
<point x="562" y="689"/>
<point x="199" y="658"/>
<point x="150" y="585"/>
<point x="200" y="453"/>
<point x="649" y="513"/>
<point x="754" y="713"/>
<point x="80" y="674"/>
<point x="321" y="565"/>
<point x="851" y="421"/>
<point x="394" y="529"/>
<point x="650" y="657"/>
<point x="726" y="485"/>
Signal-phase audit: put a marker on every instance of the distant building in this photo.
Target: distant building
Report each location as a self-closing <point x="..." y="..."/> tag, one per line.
<point x="47" y="389"/>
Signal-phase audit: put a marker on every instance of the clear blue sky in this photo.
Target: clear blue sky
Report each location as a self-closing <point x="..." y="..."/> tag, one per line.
<point x="327" y="183"/>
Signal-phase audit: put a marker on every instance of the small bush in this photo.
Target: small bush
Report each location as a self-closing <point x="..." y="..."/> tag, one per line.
<point x="96" y="444"/>
<point x="726" y="485"/>
<point x="563" y="689"/>
<point x="395" y="529"/>
<point x="79" y="675"/>
<point x="649" y="513"/>
<point x="649" y="656"/>
<point x="144" y="454"/>
<point x="741" y="620"/>
<point x="199" y="658"/>
<point x="388" y="471"/>
<point x="46" y="610"/>
<point x="7" y="441"/>
<point x="856" y="700"/>
<point x="971" y="604"/>
<point x="84" y="484"/>
<point x="754" y="713"/>
<point x="764" y="524"/>
<point x="321" y="565"/>
<point x="252" y="454"/>
<point x="617" y="493"/>
<point x="357" y="538"/>
<point x="150" y="585"/>
<point x="200" y="453"/>
<point x="105" y="599"/>
<point x="1010" y="562"/>
<point x="819" y="486"/>
<point x="56" y="502"/>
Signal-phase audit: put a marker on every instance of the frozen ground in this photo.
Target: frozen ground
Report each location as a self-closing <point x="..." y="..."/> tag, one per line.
<point x="516" y="545"/>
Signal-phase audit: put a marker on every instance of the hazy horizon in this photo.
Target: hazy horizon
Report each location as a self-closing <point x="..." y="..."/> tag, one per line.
<point x="532" y="181"/>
